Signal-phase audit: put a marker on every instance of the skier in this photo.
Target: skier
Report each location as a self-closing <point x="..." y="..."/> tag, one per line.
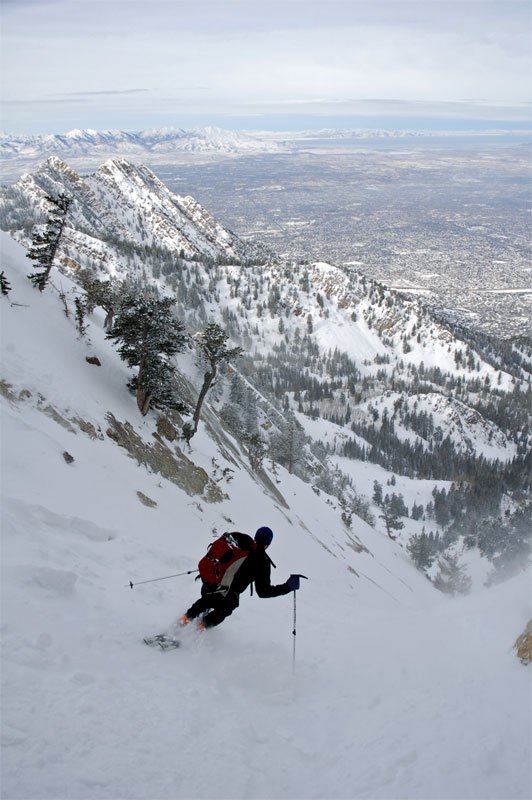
<point x="219" y="601"/>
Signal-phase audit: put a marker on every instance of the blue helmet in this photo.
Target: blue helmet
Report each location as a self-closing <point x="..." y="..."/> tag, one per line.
<point x="264" y="536"/>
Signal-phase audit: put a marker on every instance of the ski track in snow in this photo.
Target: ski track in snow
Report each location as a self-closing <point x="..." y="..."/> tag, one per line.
<point x="398" y="692"/>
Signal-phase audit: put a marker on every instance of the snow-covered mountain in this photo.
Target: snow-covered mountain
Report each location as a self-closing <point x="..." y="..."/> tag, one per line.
<point x="126" y="204"/>
<point x="369" y="374"/>
<point x="135" y="144"/>
<point x="391" y="691"/>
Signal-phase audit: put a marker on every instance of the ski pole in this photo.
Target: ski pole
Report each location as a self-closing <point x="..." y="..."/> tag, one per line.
<point x="294" y="639"/>
<point x="294" y="631"/>
<point x="152" y="580"/>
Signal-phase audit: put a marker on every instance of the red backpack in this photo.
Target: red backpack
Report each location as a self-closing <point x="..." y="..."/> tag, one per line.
<point x="223" y="559"/>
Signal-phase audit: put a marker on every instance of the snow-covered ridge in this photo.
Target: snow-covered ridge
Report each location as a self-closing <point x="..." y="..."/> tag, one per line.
<point x="127" y="202"/>
<point x="469" y="430"/>
<point x="136" y="143"/>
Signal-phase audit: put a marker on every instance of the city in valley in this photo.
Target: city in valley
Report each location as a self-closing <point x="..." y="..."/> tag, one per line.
<point x="445" y="217"/>
<point x="442" y="217"/>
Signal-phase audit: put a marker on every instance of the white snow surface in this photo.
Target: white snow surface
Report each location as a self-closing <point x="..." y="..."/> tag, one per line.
<point x="397" y="691"/>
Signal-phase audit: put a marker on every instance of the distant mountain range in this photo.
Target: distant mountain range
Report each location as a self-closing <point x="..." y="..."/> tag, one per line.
<point x="160" y="141"/>
<point x="135" y="143"/>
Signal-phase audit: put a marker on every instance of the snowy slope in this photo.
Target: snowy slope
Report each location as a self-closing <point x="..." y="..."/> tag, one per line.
<point x="177" y="223"/>
<point x="466" y="427"/>
<point x="398" y="692"/>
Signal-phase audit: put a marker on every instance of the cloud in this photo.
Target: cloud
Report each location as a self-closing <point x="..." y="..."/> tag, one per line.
<point x="222" y="57"/>
<point x="102" y="92"/>
<point x="389" y="107"/>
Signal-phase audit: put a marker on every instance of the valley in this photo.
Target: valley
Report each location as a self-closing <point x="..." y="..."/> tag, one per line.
<point x="445" y="218"/>
<point x="451" y="225"/>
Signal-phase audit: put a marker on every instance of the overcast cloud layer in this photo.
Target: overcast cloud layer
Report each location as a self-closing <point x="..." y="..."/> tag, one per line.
<point x="260" y="63"/>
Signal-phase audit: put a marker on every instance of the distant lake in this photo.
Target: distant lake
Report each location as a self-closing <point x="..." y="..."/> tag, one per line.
<point x="416" y="143"/>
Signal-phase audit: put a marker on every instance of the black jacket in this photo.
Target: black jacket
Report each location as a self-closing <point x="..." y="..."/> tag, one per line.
<point x="257" y="569"/>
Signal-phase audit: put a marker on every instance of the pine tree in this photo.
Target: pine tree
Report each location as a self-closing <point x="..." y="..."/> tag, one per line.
<point x="231" y="416"/>
<point x="250" y="412"/>
<point x="44" y="244"/>
<point x="212" y="346"/>
<point x="441" y="510"/>
<point x="391" y="520"/>
<point x="452" y="578"/>
<point x="5" y="286"/>
<point x="257" y="449"/>
<point x="347" y="518"/>
<point x="422" y="549"/>
<point x="105" y="294"/>
<point x="149" y="334"/>
<point x="81" y="310"/>
<point x="397" y="505"/>
<point x="287" y="446"/>
<point x="514" y="546"/>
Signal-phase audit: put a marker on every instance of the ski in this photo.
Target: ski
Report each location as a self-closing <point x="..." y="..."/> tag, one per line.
<point x="162" y="641"/>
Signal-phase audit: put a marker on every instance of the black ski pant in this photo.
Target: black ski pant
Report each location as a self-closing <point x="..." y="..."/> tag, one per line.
<point x="214" y="607"/>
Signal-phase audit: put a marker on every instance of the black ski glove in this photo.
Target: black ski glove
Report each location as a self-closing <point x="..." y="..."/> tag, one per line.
<point x="293" y="582"/>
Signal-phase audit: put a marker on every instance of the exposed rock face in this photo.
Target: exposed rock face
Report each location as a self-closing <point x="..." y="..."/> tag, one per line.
<point x="54" y="414"/>
<point x="88" y="428"/>
<point x="146" y="501"/>
<point x="171" y="463"/>
<point x="166" y="429"/>
<point x="6" y="390"/>
<point x="523" y="645"/>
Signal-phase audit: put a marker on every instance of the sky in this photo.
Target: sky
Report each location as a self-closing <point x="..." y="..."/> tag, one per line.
<point x="264" y="64"/>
